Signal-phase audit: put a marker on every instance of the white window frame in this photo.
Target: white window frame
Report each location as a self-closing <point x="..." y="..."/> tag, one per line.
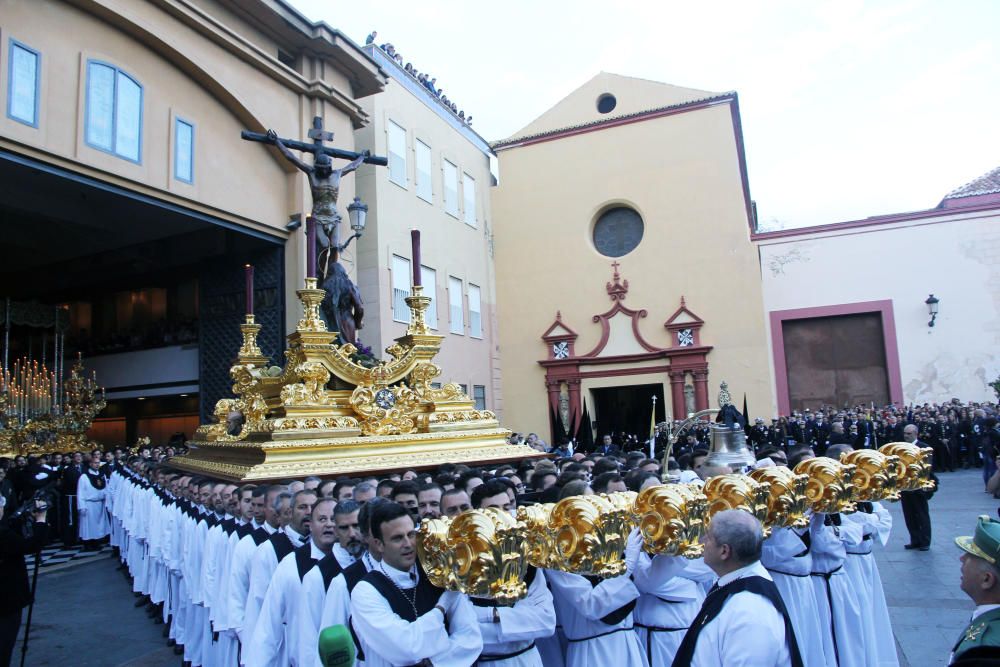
<point x="424" y="179"/>
<point x="475" y="311"/>
<point x="178" y="122"/>
<point x="394" y="133"/>
<point x="456" y="307"/>
<point x="13" y="80"/>
<point x="114" y="148"/>
<point x="428" y="277"/>
<point x="469" y="199"/>
<point x="450" y="172"/>
<point x="476" y="399"/>
<point x="400" y="288"/>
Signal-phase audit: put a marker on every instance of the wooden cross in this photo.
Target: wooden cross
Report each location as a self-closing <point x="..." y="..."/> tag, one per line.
<point x="317" y="147"/>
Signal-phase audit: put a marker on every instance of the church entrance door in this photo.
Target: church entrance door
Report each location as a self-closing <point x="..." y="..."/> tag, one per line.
<point x="623" y="411"/>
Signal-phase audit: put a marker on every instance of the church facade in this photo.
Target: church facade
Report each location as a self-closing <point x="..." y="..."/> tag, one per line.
<point x="625" y="269"/>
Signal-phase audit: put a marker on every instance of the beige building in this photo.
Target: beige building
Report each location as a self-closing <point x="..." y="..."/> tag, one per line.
<point x="129" y="195"/>
<point x="625" y="268"/>
<point x="848" y="313"/>
<point x="438" y="181"/>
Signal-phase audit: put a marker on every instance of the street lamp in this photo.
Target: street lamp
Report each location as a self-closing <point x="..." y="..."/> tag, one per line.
<point x="932" y="308"/>
<point x="357" y="213"/>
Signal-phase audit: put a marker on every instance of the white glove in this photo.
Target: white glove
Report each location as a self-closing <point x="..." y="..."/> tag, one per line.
<point x="450" y="600"/>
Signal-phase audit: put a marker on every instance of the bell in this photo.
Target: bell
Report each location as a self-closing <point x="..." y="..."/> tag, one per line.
<point x="729" y="448"/>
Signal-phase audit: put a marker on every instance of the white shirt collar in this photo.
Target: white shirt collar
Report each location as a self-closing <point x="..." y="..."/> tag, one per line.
<point x="751" y="570"/>
<point x="296" y="538"/>
<point x="315" y="552"/>
<point x="982" y="609"/>
<point x="344" y="558"/>
<point x="269" y="528"/>
<point x="398" y="577"/>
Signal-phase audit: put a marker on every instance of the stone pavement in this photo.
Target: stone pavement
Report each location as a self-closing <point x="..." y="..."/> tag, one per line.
<point x="85" y="615"/>
<point x="927" y="607"/>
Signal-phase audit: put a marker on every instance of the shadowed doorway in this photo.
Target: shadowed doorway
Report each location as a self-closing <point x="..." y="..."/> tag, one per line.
<point x="625" y="410"/>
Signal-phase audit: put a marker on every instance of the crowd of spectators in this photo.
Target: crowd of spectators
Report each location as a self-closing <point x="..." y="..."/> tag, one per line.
<point x="426" y="80"/>
<point x="159" y="334"/>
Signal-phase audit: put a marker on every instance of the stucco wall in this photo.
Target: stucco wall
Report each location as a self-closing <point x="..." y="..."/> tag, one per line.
<point x="955" y="256"/>
<point x="681" y="173"/>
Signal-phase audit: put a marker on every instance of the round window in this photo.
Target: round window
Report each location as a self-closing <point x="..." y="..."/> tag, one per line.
<point x="606" y="103"/>
<point x="618" y="231"/>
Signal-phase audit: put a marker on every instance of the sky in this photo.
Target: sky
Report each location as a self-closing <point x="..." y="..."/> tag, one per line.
<point x="850" y="108"/>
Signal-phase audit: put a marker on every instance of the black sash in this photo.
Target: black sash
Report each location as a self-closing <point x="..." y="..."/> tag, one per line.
<point x="713" y="605"/>
<point x="282" y="544"/>
<point x="354" y="573"/>
<point x="329" y="567"/>
<point x="96" y="480"/>
<point x="304" y="560"/>
<point x="259" y="536"/>
<point x="426" y="597"/>
<point x="618" y="615"/>
<point x="244" y="529"/>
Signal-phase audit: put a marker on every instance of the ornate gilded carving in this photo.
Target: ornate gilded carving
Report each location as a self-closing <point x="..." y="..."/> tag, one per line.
<point x="914" y="469"/>
<point x="482" y="553"/>
<point x="385" y="410"/>
<point x="787" y="500"/>
<point x="738" y="492"/>
<point x="671" y="519"/>
<point x="830" y="488"/>
<point x="875" y="474"/>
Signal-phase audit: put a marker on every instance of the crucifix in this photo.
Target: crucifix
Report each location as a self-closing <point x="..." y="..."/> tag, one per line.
<point x="341" y="307"/>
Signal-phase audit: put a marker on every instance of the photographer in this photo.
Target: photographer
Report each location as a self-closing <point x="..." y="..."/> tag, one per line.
<point x="14" y="573"/>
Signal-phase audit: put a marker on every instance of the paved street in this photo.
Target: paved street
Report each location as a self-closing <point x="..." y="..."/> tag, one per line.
<point x="85" y="615"/>
<point x="928" y="608"/>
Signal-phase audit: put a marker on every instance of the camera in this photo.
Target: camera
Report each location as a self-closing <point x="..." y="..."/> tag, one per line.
<point x="41" y="501"/>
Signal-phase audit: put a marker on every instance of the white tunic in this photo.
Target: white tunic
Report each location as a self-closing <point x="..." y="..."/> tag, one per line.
<point x="390" y="641"/>
<point x="839" y="607"/>
<point x="530" y="618"/>
<point x="319" y="607"/>
<point x="94" y="523"/>
<point x="265" y="561"/>
<point x="274" y="631"/>
<point x="239" y="583"/>
<point x="789" y="563"/>
<point x="579" y="609"/>
<point x="863" y="573"/>
<point x="668" y="604"/>
<point x="748" y="632"/>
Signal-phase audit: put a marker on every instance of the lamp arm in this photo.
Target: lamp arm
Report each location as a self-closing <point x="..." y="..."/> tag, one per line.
<point x="674" y="436"/>
<point x="343" y="246"/>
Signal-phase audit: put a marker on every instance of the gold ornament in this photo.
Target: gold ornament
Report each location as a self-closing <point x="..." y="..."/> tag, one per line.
<point x="829" y="489"/>
<point x="671" y="519"/>
<point x="875" y="474"/>
<point x="787" y="501"/>
<point x="914" y="470"/>
<point x="738" y="492"/>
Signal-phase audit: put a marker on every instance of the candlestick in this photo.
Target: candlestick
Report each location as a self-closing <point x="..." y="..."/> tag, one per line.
<point x="415" y="254"/>
<point x="310" y="247"/>
<point x="249" y="286"/>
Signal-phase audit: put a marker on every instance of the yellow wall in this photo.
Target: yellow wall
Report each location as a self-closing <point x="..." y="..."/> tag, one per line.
<point x="681" y="173"/>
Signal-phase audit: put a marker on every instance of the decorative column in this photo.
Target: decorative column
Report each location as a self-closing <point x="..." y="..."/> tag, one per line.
<point x="575" y="408"/>
<point x="553" y="388"/>
<point x="700" y="389"/>
<point x="677" y="394"/>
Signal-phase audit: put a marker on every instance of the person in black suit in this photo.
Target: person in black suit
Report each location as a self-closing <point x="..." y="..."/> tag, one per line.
<point x="68" y="518"/>
<point x="14" y="573"/>
<point x="916" y="513"/>
<point x="608" y="448"/>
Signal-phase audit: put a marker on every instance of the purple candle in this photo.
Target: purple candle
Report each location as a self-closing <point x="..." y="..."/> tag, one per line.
<point x="415" y="253"/>
<point x="249" y="280"/>
<point x="310" y="247"/>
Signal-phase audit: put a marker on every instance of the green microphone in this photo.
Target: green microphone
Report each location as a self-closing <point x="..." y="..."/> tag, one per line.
<point x="336" y="647"/>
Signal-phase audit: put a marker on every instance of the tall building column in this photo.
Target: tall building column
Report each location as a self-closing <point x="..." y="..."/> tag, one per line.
<point x="700" y="389"/>
<point x="677" y="394"/>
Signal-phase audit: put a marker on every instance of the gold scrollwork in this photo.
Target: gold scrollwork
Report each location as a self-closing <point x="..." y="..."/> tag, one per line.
<point x="384" y="410"/>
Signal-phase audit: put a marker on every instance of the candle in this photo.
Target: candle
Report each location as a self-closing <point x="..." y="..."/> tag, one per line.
<point x="310" y="247"/>
<point x="249" y="281"/>
<point x="415" y="253"/>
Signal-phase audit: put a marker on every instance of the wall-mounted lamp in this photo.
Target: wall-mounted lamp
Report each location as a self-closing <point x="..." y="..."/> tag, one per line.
<point x="932" y="308"/>
<point x="357" y="213"/>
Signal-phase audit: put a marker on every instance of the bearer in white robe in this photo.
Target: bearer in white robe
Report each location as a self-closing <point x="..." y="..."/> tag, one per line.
<point x="276" y="508"/>
<point x="836" y="597"/>
<point x="400" y="618"/>
<point x="91" y="489"/>
<point x="266" y="558"/>
<point x="788" y="559"/>
<point x="743" y="621"/>
<point x="876" y="523"/>
<point x="275" y="641"/>
<point x="321" y="583"/>
<point x="670" y="598"/>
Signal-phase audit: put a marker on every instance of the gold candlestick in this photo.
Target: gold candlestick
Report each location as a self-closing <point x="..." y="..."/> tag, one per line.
<point x="249" y="352"/>
<point x="418" y="304"/>
<point x="311" y="297"/>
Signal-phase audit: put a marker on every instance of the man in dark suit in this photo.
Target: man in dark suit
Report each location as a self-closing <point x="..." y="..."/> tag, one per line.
<point x="608" y="448"/>
<point x="14" y="573"/>
<point x="67" y="488"/>
<point x="915" y="510"/>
